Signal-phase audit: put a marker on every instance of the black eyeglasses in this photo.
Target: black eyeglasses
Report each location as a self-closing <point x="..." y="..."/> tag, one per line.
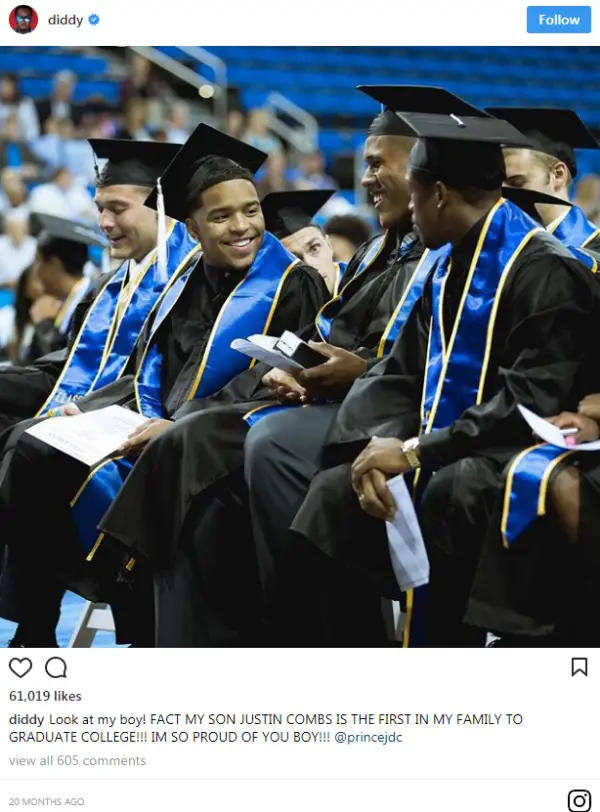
<point x="23" y="19"/>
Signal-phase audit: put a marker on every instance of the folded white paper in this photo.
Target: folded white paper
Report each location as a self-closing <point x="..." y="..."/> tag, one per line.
<point x="89" y="437"/>
<point x="405" y="540"/>
<point x="263" y="349"/>
<point x="551" y="434"/>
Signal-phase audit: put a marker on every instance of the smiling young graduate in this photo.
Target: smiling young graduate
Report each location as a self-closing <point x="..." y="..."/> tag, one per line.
<point x="106" y="322"/>
<point x="507" y="316"/>
<point x="243" y="282"/>
<point x="204" y="597"/>
<point x="550" y="165"/>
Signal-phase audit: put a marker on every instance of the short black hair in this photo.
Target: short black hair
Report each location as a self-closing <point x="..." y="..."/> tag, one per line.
<point x="211" y="171"/>
<point x="22" y="5"/>
<point x="73" y="255"/>
<point x="353" y="228"/>
<point x="470" y="194"/>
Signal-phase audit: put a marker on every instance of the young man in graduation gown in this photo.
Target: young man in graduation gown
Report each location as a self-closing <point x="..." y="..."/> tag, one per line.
<point x="192" y="550"/>
<point x="105" y="324"/>
<point x="551" y="166"/>
<point x="289" y="216"/>
<point x="244" y="282"/>
<point x="62" y="252"/>
<point x="495" y="327"/>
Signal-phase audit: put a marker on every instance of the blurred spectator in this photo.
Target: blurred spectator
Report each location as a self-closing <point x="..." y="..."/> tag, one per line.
<point x="142" y="82"/>
<point x="588" y="196"/>
<point x="236" y="123"/>
<point x="311" y="173"/>
<point x="13" y="104"/>
<point x="60" y="104"/>
<point x="275" y="176"/>
<point x="17" y="249"/>
<point x="59" y="147"/>
<point x="15" y="153"/>
<point x="346" y="233"/>
<point x="135" y="126"/>
<point x="13" y="194"/>
<point x="178" y="126"/>
<point x="258" y="134"/>
<point x="64" y="196"/>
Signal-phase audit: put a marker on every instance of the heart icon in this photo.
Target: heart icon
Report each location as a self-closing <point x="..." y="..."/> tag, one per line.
<point x="20" y="667"/>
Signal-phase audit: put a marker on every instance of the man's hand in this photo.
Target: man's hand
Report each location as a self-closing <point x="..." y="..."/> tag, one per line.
<point x="382" y="454"/>
<point x="336" y="375"/>
<point x="141" y="436"/>
<point x="588" y="429"/>
<point x="46" y="307"/>
<point x="284" y="386"/>
<point x="590" y="407"/>
<point x="374" y="496"/>
<point x="68" y="410"/>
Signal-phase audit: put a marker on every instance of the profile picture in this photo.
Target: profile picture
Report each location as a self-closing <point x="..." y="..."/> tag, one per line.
<point x="23" y="19"/>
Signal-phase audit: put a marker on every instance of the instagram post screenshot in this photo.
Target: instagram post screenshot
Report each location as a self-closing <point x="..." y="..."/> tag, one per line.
<point x="299" y="407"/>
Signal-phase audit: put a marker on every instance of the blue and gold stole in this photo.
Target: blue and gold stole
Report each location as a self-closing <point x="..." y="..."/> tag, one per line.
<point x="412" y="293"/>
<point x="327" y="313"/>
<point x="63" y="320"/>
<point x="340" y="270"/>
<point x="249" y="309"/>
<point x="105" y="341"/>
<point x="573" y="228"/>
<point x="456" y="371"/>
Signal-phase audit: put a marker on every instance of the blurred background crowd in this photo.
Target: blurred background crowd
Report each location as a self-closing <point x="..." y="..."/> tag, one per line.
<point x="297" y="104"/>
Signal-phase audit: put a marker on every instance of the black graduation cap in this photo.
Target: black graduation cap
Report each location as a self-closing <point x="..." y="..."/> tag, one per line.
<point x="131" y="163"/>
<point x="57" y="228"/>
<point x="458" y="144"/>
<point x="413" y="99"/>
<point x="177" y="181"/>
<point x="527" y="199"/>
<point x="552" y="131"/>
<point x="288" y="212"/>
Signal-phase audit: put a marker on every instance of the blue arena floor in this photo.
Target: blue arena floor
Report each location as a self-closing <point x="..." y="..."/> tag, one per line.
<point x="71" y="610"/>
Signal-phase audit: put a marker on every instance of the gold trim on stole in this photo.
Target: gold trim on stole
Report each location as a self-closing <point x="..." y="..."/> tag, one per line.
<point x="349" y="282"/>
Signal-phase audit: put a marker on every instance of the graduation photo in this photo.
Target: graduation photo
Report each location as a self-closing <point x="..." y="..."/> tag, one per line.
<point x="303" y="354"/>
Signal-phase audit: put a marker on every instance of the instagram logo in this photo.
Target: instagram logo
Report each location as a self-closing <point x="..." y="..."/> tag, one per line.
<point x="580" y="800"/>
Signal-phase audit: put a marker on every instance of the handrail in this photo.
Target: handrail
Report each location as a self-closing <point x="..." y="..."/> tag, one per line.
<point x="219" y="68"/>
<point x="304" y="140"/>
<point x="186" y="74"/>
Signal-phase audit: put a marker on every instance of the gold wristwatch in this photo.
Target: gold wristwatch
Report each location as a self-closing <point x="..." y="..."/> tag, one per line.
<point x="409" y="449"/>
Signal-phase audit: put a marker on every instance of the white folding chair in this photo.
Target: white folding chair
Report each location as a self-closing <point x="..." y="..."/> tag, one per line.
<point x="96" y="617"/>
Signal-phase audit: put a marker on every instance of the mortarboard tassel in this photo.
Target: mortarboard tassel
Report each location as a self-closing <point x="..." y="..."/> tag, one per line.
<point x="105" y="260"/>
<point x="161" y="248"/>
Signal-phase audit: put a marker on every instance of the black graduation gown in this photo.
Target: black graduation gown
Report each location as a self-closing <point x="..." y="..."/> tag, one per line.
<point x="25" y="388"/>
<point x="47" y="534"/>
<point x="188" y="487"/>
<point x="546" y="323"/>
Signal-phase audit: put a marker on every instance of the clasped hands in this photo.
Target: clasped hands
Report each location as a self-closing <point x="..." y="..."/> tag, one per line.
<point x="381" y="459"/>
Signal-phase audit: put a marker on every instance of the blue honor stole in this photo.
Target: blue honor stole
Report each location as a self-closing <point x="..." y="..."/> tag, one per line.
<point x="327" y="313"/>
<point x="526" y="488"/>
<point x="249" y="309"/>
<point x="106" y="339"/>
<point x="573" y="228"/>
<point x="456" y="371"/>
<point x="413" y="292"/>
<point x="63" y="320"/>
<point x="585" y="257"/>
<point x="340" y="270"/>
